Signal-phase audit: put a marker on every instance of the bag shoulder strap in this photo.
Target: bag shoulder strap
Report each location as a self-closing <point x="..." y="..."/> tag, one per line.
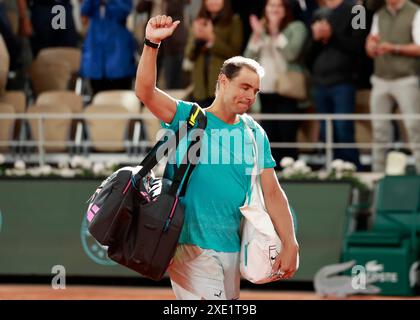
<point x="196" y="116"/>
<point x="250" y="127"/>
<point x="183" y="172"/>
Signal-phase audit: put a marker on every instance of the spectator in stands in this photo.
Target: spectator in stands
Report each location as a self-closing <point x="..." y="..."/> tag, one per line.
<point x="335" y="46"/>
<point x="44" y="35"/>
<point x="10" y="36"/>
<point x="215" y="36"/>
<point x="246" y="8"/>
<point x="378" y="4"/>
<point x="304" y="9"/>
<point x="277" y="43"/>
<point x="108" y="51"/>
<point x="174" y="47"/>
<point x="394" y="44"/>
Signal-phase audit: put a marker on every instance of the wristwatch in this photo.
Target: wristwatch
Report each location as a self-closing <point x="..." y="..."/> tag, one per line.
<point x="151" y="44"/>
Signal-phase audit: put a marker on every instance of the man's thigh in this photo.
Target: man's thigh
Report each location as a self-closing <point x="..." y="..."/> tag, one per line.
<point x="204" y="274"/>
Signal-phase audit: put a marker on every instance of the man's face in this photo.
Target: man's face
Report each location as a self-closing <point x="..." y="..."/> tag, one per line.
<point x="239" y="93"/>
<point x="393" y="3"/>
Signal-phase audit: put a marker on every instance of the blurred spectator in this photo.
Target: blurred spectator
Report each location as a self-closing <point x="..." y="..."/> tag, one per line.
<point x="336" y="47"/>
<point x="375" y="5"/>
<point x="10" y="37"/>
<point x="277" y="43"/>
<point x="364" y="63"/>
<point x="174" y="46"/>
<point x="108" y="51"/>
<point x="394" y="44"/>
<point x="246" y="8"/>
<point x="151" y="8"/>
<point x="216" y="35"/>
<point x="304" y="9"/>
<point x="44" y="35"/>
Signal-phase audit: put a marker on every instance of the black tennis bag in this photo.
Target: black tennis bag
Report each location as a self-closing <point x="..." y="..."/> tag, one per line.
<point x="138" y="216"/>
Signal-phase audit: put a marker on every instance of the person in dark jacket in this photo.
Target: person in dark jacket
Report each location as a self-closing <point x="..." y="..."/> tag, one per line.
<point x="44" y="35"/>
<point x="336" y="46"/>
<point x="173" y="49"/>
<point x="108" y="51"/>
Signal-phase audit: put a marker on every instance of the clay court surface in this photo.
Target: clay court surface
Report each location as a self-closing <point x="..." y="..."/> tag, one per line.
<point x="78" y="292"/>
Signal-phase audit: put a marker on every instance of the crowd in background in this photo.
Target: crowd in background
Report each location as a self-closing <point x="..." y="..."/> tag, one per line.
<point x="314" y="54"/>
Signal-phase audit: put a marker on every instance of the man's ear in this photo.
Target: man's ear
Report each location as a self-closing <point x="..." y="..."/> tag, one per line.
<point x="222" y="80"/>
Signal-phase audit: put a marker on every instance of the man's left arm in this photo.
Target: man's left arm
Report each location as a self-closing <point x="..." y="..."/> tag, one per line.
<point x="278" y="208"/>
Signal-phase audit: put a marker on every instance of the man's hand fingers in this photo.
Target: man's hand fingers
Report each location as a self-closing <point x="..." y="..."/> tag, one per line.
<point x="158" y="21"/>
<point x="168" y="22"/>
<point x="174" y="25"/>
<point x="289" y="274"/>
<point x="153" y="22"/>
<point x="276" y="266"/>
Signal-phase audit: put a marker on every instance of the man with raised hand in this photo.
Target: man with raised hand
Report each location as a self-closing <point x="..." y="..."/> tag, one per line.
<point x="206" y="262"/>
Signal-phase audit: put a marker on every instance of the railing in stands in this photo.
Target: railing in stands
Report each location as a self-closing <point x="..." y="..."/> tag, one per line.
<point x="78" y="143"/>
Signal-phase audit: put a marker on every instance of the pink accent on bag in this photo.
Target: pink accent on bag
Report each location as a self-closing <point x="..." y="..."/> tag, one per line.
<point x="127" y="186"/>
<point x="90" y="216"/>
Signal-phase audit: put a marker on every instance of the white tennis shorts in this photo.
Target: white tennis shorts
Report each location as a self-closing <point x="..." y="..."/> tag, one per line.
<point x="204" y="274"/>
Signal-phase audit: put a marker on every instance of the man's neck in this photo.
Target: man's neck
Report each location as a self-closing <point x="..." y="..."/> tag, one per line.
<point x="219" y="110"/>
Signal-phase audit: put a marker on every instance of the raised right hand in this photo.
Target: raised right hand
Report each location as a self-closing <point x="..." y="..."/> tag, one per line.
<point x="160" y="27"/>
<point x="256" y="25"/>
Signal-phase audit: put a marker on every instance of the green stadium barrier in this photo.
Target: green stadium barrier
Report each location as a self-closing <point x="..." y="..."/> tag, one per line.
<point x="43" y="226"/>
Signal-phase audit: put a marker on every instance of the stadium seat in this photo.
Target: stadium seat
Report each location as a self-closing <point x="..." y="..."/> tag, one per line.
<point x="390" y="248"/>
<point x="62" y="97"/>
<point x="6" y="126"/>
<point x="107" y="135"/>
<point x="49" y="75"/>
<point x="68" y="54"/>
<point x="4" y="65"/>
<point x="56" y="131"/>
<point x="124" y="98"/>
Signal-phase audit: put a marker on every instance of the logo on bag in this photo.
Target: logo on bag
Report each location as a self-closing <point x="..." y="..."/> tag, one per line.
<point x="93" y="249"/>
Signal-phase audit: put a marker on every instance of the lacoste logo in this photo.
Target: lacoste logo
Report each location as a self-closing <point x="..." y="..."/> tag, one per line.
<point x="373" y="266"/>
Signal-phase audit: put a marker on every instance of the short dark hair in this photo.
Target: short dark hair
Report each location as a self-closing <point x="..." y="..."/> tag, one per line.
<point x="231" y="67"/>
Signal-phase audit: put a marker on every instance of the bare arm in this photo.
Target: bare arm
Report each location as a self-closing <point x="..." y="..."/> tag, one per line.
<point x="159" y="103"/>
<point x="278" y="209"/>
<point x="24" y="21"/>
<point x="412" y="50"/>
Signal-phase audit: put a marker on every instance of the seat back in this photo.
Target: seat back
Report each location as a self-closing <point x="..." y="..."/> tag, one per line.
<point x="16" y="98"/>
<point x="64" y="97"/>
<point x="152" y="126"/>
<point x="49" y="75"/>
<point x="68" y="54"/>
<point x="124" y="98"/>
<point x="397" y="205"/>
<point x="107" y="135"/>
<point x="4" y="65"/>
<point x="56" y="131"/>
<point x="6" y="125"/>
